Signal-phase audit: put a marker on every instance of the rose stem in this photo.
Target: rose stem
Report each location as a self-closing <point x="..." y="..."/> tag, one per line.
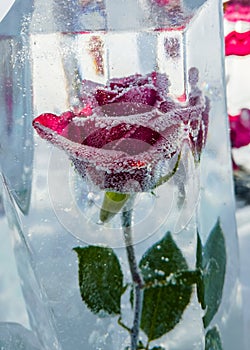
<point x="126" y="218"/>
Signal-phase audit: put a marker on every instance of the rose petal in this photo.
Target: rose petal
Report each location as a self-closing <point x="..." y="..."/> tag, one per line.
<point x="140" y="179"/>
<point x="135" y="88"/>
<point x="123" y="83"/>
<point x="162" y="2"/>
<point x="53" y="121"/>
<point x="132" y="139"/>
<point x="240" y="129"/>
<point x="237" y="43"/>
<point x="144" y="95"/>
<point x="237" y="10"/>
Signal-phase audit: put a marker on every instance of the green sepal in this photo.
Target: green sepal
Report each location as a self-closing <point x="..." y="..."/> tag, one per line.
<point x="112" y="204"/>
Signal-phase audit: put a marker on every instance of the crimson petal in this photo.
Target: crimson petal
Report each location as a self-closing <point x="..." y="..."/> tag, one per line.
<point x="144" y="95"/>
<point x="237" y="43"/>
<point x="132" y="139"/>
<point x="240" y="129"/>
<point x="53" y="121"/>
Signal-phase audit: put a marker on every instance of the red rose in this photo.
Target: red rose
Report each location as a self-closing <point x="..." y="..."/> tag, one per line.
<point x="237" y="43"/>
<point x="162" y="2"/>
<point x="237" y="10"/>
<point x="240" y="128"/>
<point x="123" y="137"/>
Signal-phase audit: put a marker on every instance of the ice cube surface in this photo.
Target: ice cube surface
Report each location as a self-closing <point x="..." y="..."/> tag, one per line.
<point x="14" y="336"/>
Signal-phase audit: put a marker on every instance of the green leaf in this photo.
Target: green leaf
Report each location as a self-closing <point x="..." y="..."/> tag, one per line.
<point x="158" y="348"/>
<point x="100" y="279"/>
<point x="213" y="267"/>
<point x="140" y="345"/>
<point x="112" y="204"/>
<point x="132" y="296"/>
<point x="213" y="340"/>
<point x="165" y="297"/>
<point x="199" y="267"/>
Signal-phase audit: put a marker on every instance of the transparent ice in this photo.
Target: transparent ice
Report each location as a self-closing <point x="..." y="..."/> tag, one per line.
<point x="14" y="336"/>
<point x="42" y="193"/>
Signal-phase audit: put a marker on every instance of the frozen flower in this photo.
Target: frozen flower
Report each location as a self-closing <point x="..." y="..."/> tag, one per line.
<point x="127" y="132"/>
